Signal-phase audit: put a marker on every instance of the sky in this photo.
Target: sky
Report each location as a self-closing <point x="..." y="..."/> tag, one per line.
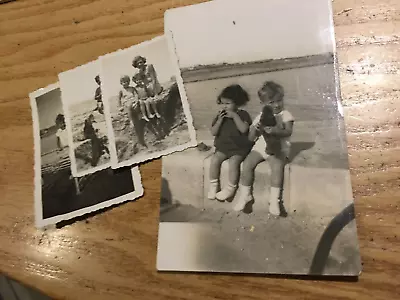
<point x="78" y="84"/>
<point x="116" y="65"/>
<point x="238" y="31"/>
<point x="49" y="106"/>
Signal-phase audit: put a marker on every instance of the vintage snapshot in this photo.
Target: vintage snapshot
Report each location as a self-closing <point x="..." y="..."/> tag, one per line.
<point x="84" y="116"/>
<point x="58" y="195"/>
<point x="267" y="189"/>
<point x="146" y="111"/>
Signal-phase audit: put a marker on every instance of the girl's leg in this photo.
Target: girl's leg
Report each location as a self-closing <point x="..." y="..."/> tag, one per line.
<point x="154" y="106"/>
<point x="234" y="173"/>
<point x="215" y="169"/>
<point x="277" y="164"/>
<point x="148" y="108"/>
<point x="143" y="110"/>
<point x="247" y="179"/>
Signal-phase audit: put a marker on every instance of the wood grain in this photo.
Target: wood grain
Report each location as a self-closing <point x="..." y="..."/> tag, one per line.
<point x="112" y="255"/>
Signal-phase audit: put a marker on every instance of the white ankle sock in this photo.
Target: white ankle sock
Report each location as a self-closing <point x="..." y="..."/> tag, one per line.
<point x="213" y="189"/>
<point x="245" y="196"/>
<point x="227" y="192"/>
<point x="214" y="182"/>
<point x="244" y="189"/>
<point x="274" y="201"/>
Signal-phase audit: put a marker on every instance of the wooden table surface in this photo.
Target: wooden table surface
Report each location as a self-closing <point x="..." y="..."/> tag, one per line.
<point x="112" y="255"/>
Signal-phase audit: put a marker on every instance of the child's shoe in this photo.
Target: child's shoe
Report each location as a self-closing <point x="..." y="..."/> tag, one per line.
<point x="245" y="197"/>
<point x="158" y="115"/>
<point x="274" y="202"/>
<point x="213" y="189"/>
<point x="227" y="192"/>
<point x="151" y="116"/>
<point x="145" y="118"/>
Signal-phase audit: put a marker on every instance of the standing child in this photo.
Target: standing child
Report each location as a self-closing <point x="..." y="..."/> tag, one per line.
<point x="61" y="134"/>
<point x="98" y="96"/>
<point x="230" y="128"/>
<point x="128" y="97"/>
<point x="274" y="146"/>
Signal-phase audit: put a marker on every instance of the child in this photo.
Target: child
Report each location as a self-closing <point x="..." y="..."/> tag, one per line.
<point x="146" y="97"/>
<point x="98" y="96"/>
<point x="274" y="147"/>
<point x="97" y="144"/>
<point x="230" y="128"/>
<point x="61" y="134"/>
<point x="128" y="96"/>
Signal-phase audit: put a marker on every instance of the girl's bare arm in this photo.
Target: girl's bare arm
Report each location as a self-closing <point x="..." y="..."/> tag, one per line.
<point x="217" y="125"/>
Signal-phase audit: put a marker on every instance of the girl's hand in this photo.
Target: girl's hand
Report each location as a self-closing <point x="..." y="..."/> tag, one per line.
<point x="222" y="114"/>
<point x="258" y="127"/>
<point x="230" y="114"/>
<point x="268" y="129"/>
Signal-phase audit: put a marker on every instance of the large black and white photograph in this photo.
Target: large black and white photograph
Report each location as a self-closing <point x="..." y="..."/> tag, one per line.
<point x="84" y="115"/>
<point x="146" y="111"/>
<point x="267" y="189"/>
<point x="58" y="194"/>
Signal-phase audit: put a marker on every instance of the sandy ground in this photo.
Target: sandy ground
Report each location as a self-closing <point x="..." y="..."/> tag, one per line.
<point x="260" y="242"/>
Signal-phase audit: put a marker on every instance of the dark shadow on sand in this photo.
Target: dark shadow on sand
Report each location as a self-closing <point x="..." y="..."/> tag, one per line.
<point x="297" y="147"/>
<point x="321" y="255"/>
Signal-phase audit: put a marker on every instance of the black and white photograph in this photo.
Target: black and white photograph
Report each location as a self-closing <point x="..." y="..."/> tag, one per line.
<point x="146" y="109"/>
<point x="84" y="115"/>
<point x="58" y="194"/>
<point x="267" y="189"/>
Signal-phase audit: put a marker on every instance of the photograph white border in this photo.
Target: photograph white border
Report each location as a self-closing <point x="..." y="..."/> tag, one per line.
<point x="74" y="168"/>
<point x="185" y="104"/>
<point x="38" y="208"/>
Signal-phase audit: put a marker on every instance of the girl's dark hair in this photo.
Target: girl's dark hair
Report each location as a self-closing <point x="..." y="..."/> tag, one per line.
<point x="273" y="89"/>
<point x="235" y="93"/>
<point x="137" y="59"/>
<point x="60" y="119"/>
<point x="267" y="117"/>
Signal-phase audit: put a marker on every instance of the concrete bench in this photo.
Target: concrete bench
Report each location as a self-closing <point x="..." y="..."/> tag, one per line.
<point x="316" y="182"/>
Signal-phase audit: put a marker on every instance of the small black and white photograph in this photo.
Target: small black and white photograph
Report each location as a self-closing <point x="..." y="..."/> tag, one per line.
<point x="146" y="111"/>
<point x="86" y="124"/>
<point x="59" y="195"/>
<point x="267" y="189"/>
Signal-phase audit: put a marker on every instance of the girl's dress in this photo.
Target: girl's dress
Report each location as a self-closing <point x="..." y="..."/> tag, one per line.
<point x="229" y="140"/>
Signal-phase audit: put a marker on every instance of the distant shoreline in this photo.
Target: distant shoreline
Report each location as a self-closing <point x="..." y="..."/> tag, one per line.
<point x="210" y="72"/>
